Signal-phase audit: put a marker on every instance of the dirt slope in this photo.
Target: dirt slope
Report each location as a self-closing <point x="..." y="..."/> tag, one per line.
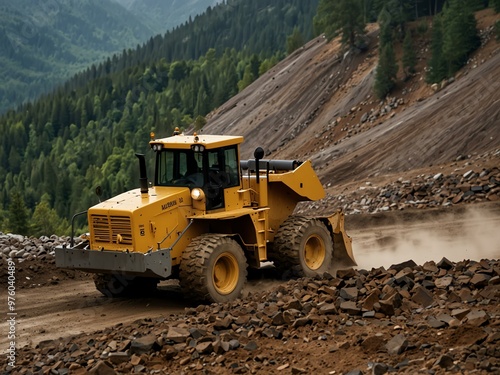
<point x="311" y="105"/>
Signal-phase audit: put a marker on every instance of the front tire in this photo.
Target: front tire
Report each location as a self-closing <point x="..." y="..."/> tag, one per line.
<point x="213" y="269"/>
<point x="302" y="247"/>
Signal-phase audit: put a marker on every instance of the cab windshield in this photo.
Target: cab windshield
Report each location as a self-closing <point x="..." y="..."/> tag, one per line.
<point x="204" y="169"/>
<point x="179" y="168"/>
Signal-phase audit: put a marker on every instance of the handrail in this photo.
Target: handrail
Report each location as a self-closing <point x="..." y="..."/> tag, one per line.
<point x="72" y="240"/>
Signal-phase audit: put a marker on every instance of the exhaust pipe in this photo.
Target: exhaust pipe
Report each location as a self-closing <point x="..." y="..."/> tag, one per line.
<point x="258" y="154"/>
<point x="143" y="176"/>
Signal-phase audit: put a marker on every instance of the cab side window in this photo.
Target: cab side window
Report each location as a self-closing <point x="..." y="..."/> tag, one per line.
<point x="231" y="166"/>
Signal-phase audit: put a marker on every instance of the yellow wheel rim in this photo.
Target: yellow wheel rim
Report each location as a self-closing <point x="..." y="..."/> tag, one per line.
<point x="225" y="273"/>
<point x="315" y="252"/>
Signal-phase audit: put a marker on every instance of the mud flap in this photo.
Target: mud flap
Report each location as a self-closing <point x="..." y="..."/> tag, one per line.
<point x="342" y="243"/>
<point x="153" y="264"/>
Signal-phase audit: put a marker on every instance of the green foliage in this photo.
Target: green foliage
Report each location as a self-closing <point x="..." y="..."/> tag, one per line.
<point x="18" y="214"/>
<point x="247" y="79"/>
<point x="454" y="38"/>
<point x="387" y="69"/>
<point x="199" y="122"/>
<point x="386" y="27"/>
<point x="45" y="220"/>
<point x="497" y="30"/>
<point x="163" y="15"/>
<point x="344" y="17"/>
<point x="437" y="65"/>
<point x="43" y="43"/>
<point x="409" y="57"/>
<point x="422" y="27"/>
<point x="460" y="34"/>
<point x="496" y="5"/>
<point x="85" y="133"/>
<point x="77" y="35"/>
<point x="294" y="41"/>
<point x="395" y="13"/>
<point x="3" y="217"/>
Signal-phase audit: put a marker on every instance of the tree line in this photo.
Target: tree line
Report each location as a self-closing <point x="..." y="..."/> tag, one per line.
<point x="56" y="150"/>
<point x="454" y="33"/>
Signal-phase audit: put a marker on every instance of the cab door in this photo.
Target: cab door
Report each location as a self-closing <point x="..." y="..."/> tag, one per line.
<point x="223" y="173"/>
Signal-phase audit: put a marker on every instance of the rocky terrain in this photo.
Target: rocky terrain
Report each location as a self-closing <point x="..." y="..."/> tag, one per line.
<point x="434" y="318"/>
<point x="473" y="181"/>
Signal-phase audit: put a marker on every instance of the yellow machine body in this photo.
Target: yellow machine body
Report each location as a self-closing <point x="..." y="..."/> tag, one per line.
<point x="249" y="202"/>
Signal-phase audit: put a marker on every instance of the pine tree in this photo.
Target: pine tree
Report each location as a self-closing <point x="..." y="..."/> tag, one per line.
<point x="409" y="56"/>
<point x="247" y="78"/>
<point x="18" y="214"/>
<point x="387" y="68"/>
<point x="386" y="73"/>
<point x="45" y="220"/>
<point x="496" y="5"/>
<point x="384" y="21"/>
<point x="294" y="41"/>
<point x="437" y="66"/>
<point x="343" y="17"/>
<point x="460" y="36"/>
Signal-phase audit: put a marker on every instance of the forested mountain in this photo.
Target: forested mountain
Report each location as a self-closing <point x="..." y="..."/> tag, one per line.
<point x="55" y="151"/>
<point x="163" y="15"/>
<point x="43" y="43"/>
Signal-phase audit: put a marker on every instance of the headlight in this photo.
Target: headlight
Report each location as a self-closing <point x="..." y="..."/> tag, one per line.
<point x="198" y="148"/>
<point x="197" y="194"/>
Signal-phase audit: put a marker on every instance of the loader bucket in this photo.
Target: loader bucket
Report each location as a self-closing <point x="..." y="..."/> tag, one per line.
<point x="342" y="243"/>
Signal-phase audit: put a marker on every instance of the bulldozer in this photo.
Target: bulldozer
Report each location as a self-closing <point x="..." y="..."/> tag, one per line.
<point x="206" y="219"/>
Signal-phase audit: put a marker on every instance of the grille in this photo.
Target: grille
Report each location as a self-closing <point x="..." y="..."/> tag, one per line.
<point x="107" y="228"/>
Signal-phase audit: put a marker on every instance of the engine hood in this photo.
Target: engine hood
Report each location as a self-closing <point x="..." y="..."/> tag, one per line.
<point x="164" y="198"/>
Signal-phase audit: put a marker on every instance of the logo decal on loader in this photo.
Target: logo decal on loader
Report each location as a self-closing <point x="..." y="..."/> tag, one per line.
<point x="168" y="205"/>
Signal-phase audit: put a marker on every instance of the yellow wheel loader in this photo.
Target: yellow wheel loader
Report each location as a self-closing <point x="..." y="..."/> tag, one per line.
<point x="205" y="220"/>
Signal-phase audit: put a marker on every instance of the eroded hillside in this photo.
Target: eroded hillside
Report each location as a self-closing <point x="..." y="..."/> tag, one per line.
<point x="318" y="104"/>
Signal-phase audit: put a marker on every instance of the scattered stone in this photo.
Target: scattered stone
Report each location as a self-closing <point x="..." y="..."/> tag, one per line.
<point x="102" y="368"/>
<point x="444" y="361"/>
<point x="143" y="344"/>
<point x="397" y="344"/>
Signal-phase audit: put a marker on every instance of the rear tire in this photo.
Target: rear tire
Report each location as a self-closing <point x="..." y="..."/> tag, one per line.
<point x="213" y="269"/>
<point x="112" y="285"/>
<point x="302" y="247"/>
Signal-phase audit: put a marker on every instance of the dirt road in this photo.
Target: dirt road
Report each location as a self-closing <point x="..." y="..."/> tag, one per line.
<point x="74" y="306"/>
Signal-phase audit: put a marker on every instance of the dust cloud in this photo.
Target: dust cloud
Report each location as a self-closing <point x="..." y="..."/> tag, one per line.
<point x="474" y="235"/>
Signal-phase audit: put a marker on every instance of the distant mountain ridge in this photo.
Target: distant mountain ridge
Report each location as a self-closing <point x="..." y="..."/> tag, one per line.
<point x="163" y="15"/>
<point x="44" y="43"/>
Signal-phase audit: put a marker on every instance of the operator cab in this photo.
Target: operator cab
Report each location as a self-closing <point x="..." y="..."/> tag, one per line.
<point x="200" y="165"/>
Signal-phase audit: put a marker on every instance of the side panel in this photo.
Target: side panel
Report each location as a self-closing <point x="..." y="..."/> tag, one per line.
<point x="302" y="180"/>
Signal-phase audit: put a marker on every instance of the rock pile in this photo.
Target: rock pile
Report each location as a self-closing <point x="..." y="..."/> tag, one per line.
<point x="423" y="191"/>
<point x="21" y="248"/>
<point x="35" y="260"/>
<point x="433" y="319"/>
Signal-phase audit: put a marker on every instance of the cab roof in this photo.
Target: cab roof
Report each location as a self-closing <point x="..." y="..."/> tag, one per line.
<point x="182" y="141"/>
